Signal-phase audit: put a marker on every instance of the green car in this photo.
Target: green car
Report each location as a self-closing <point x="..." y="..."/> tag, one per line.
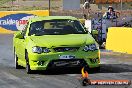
<point x="53" y="42"/>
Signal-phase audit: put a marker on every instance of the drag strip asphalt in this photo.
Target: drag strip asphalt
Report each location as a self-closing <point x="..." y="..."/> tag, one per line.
<point x="113" y="66"/>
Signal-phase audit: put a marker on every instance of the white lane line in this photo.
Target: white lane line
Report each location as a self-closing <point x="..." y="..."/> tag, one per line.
<point x="9" y="78"/>
<point x="4" y="84"/>
<point x="72" y="75"/>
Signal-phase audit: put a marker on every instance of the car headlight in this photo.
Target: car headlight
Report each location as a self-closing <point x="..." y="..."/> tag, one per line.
<point x="90" y="47"/>
<point x="46" y="50"/>
<point x="86" y="48"/>
<point x="40" y="50"/>
<point x="37" y="49"/>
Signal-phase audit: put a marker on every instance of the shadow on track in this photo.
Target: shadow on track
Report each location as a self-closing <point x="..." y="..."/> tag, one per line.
<point x="105" y="68"/>
<point x="60" y="71"/>
<point x="115" y="68"/>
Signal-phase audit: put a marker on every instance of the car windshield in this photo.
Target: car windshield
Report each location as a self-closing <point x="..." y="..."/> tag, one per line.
<point x="56" y="27"/>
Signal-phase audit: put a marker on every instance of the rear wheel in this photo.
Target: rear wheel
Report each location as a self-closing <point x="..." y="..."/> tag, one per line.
<point x="17" y="66"/>
<point x="28" y="70"/>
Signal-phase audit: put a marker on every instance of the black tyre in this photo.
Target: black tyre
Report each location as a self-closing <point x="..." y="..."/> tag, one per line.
<point x="17" y="66"/>
<point x="28" y="70"/>
<point x="97" y="69"/>
<point x="84" y="82"/>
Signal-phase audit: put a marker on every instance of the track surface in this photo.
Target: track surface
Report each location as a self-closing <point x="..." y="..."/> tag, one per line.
<point x="113" y="66"/>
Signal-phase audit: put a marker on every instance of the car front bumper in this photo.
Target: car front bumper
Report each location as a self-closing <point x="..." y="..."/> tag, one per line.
<point x="51" y="60"/>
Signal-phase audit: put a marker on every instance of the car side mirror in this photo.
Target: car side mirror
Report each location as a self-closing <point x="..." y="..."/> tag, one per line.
<point x="94" y="32"/>
<point x="19" y="35"/>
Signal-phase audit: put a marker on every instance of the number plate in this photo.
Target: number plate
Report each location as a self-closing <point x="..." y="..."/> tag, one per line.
<point x="67" y="57"/>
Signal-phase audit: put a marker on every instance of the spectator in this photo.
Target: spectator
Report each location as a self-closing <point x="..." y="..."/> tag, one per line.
<point x="86" y="8"/>
<point x="111" y="14"/>
<point x="85" y="16"/>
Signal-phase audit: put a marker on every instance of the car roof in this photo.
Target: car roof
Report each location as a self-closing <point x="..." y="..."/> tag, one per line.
<point x="36" y="18"/>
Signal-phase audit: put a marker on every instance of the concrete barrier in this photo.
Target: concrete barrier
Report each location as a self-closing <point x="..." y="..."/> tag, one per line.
<point x="119" y="39"/>
<point x="11" y="21"/>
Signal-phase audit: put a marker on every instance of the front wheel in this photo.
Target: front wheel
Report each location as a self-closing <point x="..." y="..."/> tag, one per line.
<point x="28" y="70"/>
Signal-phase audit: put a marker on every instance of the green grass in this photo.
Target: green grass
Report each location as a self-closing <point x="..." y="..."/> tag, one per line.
<point x="32" y="8"/>
<point x="5" y="1"/>
<point x="7" y="7"/>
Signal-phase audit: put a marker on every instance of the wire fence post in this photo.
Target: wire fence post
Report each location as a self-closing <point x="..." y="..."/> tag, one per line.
<point x="121" y="5"/>
<point x="12" y="5"/>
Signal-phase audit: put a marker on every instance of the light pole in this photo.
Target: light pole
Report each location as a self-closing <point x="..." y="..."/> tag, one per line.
<point x="121" y="5"/>
<point x="49" y="7"/>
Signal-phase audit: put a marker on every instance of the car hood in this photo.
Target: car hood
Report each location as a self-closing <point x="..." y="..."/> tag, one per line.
<point x="62" y="40"/>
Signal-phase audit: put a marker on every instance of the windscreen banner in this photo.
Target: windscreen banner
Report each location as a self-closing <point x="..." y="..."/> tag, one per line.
<point x="11" y="21"/>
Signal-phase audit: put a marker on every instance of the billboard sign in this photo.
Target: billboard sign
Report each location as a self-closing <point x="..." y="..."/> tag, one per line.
<point x="16" y="20"/>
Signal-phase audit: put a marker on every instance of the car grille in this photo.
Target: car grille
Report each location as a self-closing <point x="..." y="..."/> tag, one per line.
<point x="64" y="49"/>
<point x="67" y="63"/>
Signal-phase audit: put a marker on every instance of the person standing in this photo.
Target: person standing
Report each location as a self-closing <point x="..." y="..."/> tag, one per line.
<point x="111" y="14"/>
<point x="86" y="8"/>
<point x="110" y="17"/>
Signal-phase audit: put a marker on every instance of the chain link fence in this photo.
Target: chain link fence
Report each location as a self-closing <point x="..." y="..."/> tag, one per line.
<point x="56" y="7"/>
<point x="16" y="5"/>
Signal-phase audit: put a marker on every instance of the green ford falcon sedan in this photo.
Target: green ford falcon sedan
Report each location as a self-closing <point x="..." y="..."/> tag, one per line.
<point x="53" y="42"/>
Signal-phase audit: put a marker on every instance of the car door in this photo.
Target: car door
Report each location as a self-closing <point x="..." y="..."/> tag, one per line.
<point x="21" y="45"/>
